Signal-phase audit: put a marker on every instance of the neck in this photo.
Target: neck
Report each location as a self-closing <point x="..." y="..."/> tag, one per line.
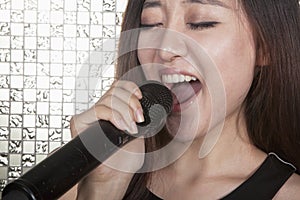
<point x="232" y="155"/>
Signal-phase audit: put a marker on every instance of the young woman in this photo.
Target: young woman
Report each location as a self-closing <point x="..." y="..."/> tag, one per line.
<point x="252" y="47"/>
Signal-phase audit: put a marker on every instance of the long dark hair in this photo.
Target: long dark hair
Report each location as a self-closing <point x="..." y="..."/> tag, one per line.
<point x="272" y="106"/>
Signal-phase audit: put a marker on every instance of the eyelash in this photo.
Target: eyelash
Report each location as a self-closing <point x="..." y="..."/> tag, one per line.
<point x="202" y="25"/>
<point x="192" y="26"/>
<point x="149" y="26"/>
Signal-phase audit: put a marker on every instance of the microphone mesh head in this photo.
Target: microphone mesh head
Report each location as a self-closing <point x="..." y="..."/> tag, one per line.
<point x="157" y="103"/>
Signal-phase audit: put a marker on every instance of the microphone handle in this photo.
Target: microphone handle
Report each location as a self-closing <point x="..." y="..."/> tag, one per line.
<point x="59" y="172"/>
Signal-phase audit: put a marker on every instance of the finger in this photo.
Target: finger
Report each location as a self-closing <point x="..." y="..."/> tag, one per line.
<point x="131" y="87"/>
<point x="122" y="120"/>
<point x="125" y="97"/>
<point x="118" y="111"/>
<point x="81" y="121"/>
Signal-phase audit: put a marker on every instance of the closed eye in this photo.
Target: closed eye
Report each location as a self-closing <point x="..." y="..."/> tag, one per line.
<point x="202" y="25"/>
<point x="148" y="26"/>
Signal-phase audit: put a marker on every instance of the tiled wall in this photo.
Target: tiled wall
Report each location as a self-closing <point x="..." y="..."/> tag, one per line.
<point x="56" y="59"/>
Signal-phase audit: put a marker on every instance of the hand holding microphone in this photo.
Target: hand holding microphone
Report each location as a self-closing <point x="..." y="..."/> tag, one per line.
<point x="64" y="168"/>
<point x="105" y="182"/>
<point x="115" y="106"/>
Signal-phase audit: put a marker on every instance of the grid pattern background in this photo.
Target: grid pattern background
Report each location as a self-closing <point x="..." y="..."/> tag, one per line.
<point x="56" y="59"/>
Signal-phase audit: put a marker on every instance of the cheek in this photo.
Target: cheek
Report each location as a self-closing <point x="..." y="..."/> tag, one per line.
<point x="235" y="61"/>
<point x="237" y="69"/>
<point x="146" y="58"/>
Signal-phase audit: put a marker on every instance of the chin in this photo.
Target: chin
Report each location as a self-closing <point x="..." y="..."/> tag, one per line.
<point x="182" y="130"/>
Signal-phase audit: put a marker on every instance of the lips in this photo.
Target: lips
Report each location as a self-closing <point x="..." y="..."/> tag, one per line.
<point x="184" y="88"/>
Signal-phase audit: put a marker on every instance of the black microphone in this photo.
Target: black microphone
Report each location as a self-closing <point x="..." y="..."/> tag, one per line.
<point x="59" y="172"/>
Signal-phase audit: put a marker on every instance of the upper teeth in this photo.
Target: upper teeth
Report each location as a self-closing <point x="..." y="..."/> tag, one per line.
<point x="177" y="78"/>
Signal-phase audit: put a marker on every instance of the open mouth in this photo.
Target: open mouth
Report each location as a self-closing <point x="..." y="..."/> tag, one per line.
<point x="184" y="88"/>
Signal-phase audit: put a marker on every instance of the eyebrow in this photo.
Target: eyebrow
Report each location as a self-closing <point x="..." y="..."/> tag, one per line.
<point x="210" y="2"/>
<point x="151" y="4"/>
<point x="157" y="3"/>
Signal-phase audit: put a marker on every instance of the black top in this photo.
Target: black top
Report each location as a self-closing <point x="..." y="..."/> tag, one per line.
<point x="263" y="184"/>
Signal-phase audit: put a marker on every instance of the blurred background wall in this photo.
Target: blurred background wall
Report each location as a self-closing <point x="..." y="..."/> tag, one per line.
<point x="56" y="59"/>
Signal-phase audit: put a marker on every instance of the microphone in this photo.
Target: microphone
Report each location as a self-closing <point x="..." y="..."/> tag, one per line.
<point x="59" y="172"/>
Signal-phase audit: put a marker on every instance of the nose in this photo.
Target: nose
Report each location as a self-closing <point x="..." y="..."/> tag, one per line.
<point x="172" y="47"/>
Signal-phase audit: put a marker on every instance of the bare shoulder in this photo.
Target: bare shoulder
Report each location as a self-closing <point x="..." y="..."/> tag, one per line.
<point x="291" y="189"/>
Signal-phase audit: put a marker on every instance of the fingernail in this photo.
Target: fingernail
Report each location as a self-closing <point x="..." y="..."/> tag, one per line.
<point x="122" y="124"/>
<point x="139" y="115"/>
<point x="137" y="93"/>
<point x="133" y="128"/>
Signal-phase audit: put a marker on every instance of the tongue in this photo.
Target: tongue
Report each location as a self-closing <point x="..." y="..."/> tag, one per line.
<point x="182" y="92"/>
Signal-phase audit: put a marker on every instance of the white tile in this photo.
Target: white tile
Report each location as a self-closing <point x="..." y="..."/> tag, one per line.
<point x="96" y="31"/>
<point x="4" y="95"/>
<point x="55" y="95"/>
<point x="69" y="82"/>
<point x="17" y="29"/>
<point x="30" y="43"/>
<point x="4" y="41"/>
<point x="3" y="172"/>
<point x="16" y="107"/>
<point x="41" y="134"/>
<point x="97" y="5"/>
<point x="4" y="121"/>
<point x="17" y="4"/>
<point x="121" y="5"/>
<point x="4" y="146"/>
<point x="43" y="56"/>
<point x="69" y="57"/>
<point x="29" y="95"/>
<point x="30" y="69"/>
<point x="16" y="81"/>
<point x="15" y="133"/>
<point x="43" y="30"/>
<point x="56" y="56"/>
<point x="81" y="96"/>
<point x="15" y="159"/>
<point x="109" y="18"/>
<point x="17" y="55"/>
<point x="30" y="16"/>
<point x="109" y="45"/>
<point x="68" y="109"/>
<point x="28" y="146"/>
<point x="29" y="120"/>
<point x="40" y="158"/>
<point x="42" y="82"/>
<point x="42" y="108"/>
<point x="66" y="135"/>
<point x="70" y="5"/>
<point x="83" y="44"/>
<point x="55" y="121"/>
<point x="70" y="30"/>
<point x="4" y="16"/>
<point x="83" y="17"/>
<point x="54" y="145"/>
<point x="96" y="58"/>
<point x="56" y="69"/>
<point x="4" y="68"/>
<point x="57" y="43"/>
<point x="56" y="17"/>
<point x="44" y="4"/>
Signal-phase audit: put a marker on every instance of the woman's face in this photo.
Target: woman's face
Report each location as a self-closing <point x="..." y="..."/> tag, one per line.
<point x="204" y="51"/>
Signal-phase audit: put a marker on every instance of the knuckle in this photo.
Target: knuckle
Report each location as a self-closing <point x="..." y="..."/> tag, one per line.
<point x="105" y="100"/>
<point x="134" y="102"/>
